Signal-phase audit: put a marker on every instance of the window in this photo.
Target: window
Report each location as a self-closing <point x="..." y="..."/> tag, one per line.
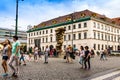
<point x="34" y="33"/>
<point x="94" y="24"/>
<point x="64" y="37"/>
<point x="46" y="31"/>
<point x="79" y="25"/>
<point x="85" y="24"/>
<point x="111" y="29"/>
<point x="98" y="46"/>
<point x="43" y="48"/>
<point x="46" y="40"/>
<point x="98" y="26"/>
<point x="98" y="35"/>
<point x="102" y="26"/>
<point x="31" y="34"/>
<point x="85" y="35"/>
<point x="117" y="31"/>
<point x="79" y="36"/>
<point x="43" y="32"/>
<point x="51" y="31"/>
<point x="109" y="37"/>
<point x="74" y="36"/>
<point x="112" y="38"/>
<point x="50" y="39"/>
<point x="94" y="47"/>
<point x="43" y="40"/>
<point x="74" y="26"/>
<point x="106" y="37"/>
<point x="40" y="32"/>
<point x="69" y="37"/>
<point x="114" y="30"/>
<point x="94" y="35"/>
<point x="37" y="33"/>
<point x="31" y="41"/>
<point x="65" y="28"/>
<point x="102" y="36"/>
<point x="106" y="28"/>
<point x="69" y="27"/>
<point x="102" y="47"/>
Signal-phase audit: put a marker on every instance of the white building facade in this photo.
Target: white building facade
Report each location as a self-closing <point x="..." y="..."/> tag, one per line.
<point x="89" y="31"/>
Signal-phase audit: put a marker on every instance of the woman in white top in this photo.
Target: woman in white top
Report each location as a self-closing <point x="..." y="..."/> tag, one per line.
<point x="35" y="53"/>
<point x="82" y="54"/>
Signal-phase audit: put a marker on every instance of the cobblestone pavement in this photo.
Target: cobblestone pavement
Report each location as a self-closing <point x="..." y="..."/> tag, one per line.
<point x="57" y="69"/>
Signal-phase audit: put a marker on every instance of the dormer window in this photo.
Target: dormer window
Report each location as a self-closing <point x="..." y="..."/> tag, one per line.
<point x="83" y="15"/>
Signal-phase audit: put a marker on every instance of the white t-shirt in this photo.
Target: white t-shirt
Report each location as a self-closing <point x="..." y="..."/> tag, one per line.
<point x="82" y="53"/>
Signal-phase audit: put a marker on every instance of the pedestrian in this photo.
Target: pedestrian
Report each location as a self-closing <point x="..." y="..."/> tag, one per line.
<point x="92" y="53"/>
<point x="39" y="52"/>
<point x="30" y="53"/>
<point x="105" y="54"/>
<point x="71" y="52"/>
<point x="82" y="56"/>
<point x="15" y="56"/>
<point x="22" y="56"/>
<point x="47" y="50"/>
<point x="67" y="55"/>
<point x="35" y="53"/>
<point x="87" y="57"/>
<point x="102" y="54"/>
<point x="5" y="56"/>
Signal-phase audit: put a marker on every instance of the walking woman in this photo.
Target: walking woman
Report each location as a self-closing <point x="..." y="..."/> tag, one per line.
<point x="35" y="53"/>
<point x="87" y="57"/>
<point x="67" y="55"/>
<point x="82" y="55"/>
<point x="5" y="56"/>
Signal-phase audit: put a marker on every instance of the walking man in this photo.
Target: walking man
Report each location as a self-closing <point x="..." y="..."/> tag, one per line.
<point x="47" y="50"/>
<point x="15" y="56"/>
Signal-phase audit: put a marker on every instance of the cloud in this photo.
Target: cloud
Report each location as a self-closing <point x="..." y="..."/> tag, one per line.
<point x="33" y="13"/>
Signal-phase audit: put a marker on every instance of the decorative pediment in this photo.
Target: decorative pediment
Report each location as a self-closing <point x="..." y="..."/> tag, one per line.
<point x="94" y="14"/>
<point x="68" y="18"/>
<point x="82" y="14"/>
<point x="43" y="24"/>
<point x="54" y="21"/>
<point x="35" y="27"/>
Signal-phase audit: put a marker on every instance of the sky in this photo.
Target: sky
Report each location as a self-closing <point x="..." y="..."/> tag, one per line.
<point x="33" y="12"/>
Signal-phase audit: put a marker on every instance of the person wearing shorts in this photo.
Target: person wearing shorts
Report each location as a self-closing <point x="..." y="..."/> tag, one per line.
<point x="5" y="56"/>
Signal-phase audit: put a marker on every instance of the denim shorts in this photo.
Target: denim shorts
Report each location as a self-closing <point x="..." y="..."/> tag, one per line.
<point x="5" y="58"/>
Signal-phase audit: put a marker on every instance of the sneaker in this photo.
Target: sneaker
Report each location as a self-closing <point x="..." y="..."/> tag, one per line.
<point x="5" y="74"/>
<point x="24" y="64"/>
<point x="13" y="74"/>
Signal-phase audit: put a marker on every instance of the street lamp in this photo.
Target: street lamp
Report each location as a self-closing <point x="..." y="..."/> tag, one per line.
<point x="16" y="25"/>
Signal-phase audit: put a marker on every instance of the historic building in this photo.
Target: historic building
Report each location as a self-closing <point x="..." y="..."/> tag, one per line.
<point x="9" y="33"/>
<point x="82" y="28"/>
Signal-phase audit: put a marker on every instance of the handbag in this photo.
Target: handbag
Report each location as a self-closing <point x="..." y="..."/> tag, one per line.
<point x="64" y="57"/>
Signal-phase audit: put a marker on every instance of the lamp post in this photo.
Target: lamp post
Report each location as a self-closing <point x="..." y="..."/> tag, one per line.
<point x="16" y="25"/>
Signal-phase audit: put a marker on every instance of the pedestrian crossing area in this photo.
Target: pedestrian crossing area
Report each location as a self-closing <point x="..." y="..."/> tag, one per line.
<point x="109" y="76"/>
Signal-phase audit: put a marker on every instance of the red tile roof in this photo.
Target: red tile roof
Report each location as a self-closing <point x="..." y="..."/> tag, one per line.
<point x="78" y="15"/>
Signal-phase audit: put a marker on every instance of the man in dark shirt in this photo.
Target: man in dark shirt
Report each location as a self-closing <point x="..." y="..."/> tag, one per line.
<point x="87" y="57"/>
